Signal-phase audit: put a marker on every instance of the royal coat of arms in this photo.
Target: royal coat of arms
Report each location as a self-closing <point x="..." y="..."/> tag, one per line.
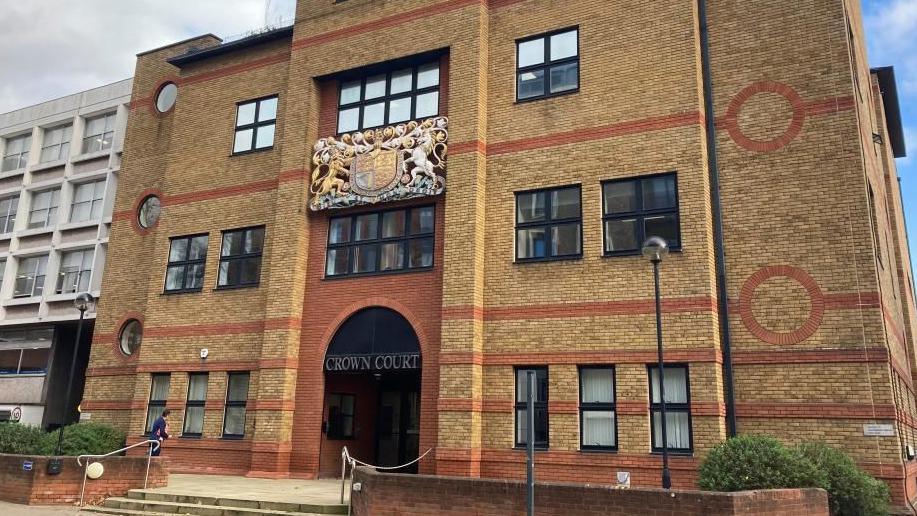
<point x="393" y="163"/>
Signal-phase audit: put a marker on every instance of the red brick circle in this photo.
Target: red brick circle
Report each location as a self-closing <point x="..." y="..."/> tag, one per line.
<point x="816" y="297"/>
<point x="116" y="340"/>
<point x="731" y="120"/>
<point x="135" y="215"/>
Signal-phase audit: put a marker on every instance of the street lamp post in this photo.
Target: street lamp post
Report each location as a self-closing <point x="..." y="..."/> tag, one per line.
<point x="82" y="302"/>
<point x="655" y="250"/>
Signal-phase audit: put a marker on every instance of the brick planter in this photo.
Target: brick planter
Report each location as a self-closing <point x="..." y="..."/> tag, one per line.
<point x="408" y="495"/>
<point x="36" y="487"/>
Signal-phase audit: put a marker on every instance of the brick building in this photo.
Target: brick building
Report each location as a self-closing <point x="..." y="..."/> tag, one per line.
<point x="374" y="220"/>
<point x="60" y="161"/>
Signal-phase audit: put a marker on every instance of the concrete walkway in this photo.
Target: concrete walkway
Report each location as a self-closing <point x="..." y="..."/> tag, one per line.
<point x="12" y="509"/>
<point x="320" y="492"/>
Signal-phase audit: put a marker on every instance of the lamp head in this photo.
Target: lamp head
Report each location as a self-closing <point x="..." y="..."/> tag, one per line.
<point x="82" y="301"/>
<point x="655" y="249"/>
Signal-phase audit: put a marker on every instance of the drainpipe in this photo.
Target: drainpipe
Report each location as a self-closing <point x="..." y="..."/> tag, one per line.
<point x="722" y="293"/>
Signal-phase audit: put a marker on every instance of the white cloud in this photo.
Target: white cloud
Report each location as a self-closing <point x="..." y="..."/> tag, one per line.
<point x="51" y="48"/>
<point x="890" y="31"/>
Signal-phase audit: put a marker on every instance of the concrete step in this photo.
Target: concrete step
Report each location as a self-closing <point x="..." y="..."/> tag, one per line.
<point x="288" y="507"/>
<point x="121" y="512"/>
<point x="147" y="506"/>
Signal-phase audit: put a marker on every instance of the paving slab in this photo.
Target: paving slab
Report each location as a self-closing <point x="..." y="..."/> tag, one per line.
<point x="319" y="492"/>
<point x="12" y="509"/>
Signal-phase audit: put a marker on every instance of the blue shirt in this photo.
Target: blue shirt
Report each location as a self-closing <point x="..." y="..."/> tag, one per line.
<point x="159" y="429"/>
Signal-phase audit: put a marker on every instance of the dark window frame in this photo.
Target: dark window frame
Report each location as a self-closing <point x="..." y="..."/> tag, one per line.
<point x="185" y="264"/>
<point x="379" y="241"/>
<point x="255" y="125"/>
<point x="598" y="406"/>
<point x="548" y="223"/>
<point x="671" y="407"/>
<point x="334" y="436"/>
<point x="189" y="403"/>
<point x="640" y="214"/>
<point x="523" y="405"/>
<point x="236" y="403"/>
<point x="413" y="93"/>
<point x="239" y="257"/>
<point x="547" y="64"/>
<point x="157" y="403"/>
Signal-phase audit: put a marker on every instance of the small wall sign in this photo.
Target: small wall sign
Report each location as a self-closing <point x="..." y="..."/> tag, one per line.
<point x="85" y="416"/>
<point x="27" y="465"/>
<point x="879" y="430"/>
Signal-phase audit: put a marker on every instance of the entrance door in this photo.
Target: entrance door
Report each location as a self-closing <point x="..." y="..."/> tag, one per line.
<point x="398" y="425"/>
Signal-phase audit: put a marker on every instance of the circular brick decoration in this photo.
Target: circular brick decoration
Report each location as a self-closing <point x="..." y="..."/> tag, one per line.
<point x="816" y="311"/>
<point x="731" y="121"/>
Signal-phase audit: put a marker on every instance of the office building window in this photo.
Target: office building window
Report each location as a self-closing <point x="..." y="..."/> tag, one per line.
<point x="18" y="360"/>
<point x="549" y="224"/>
<point x="408" y="93"/>
<point x="16" y="155"/>
<point x="340" y="416"/>
<point x="388" y="241"/>
<point x="99" y="134"/>
<point x="541" y="406"/>
<point x="677" y="408"/>
<point x="194" y="406"/>
<point x="547" y="65"/>
<point x="187" y="258"/>
<point x="44" y="208"/>
<point x="236" y="399"/>
<point x="8" y="207"/>
<point x="636" y="209"/>
<point x="240" y="257"/>
<point x="30" y="278"/>
<point x="598" y="421"/>
<point x="56" y="143"/>
<point x="255" y="124"/>
<point x="159" y="393"/>
<point x="75" y="270"/>
<point x="87" y="201"/>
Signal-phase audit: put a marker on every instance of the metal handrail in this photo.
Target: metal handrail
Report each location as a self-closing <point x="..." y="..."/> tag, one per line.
<point x="346" y="459"/>
<point x="153" y="443"/>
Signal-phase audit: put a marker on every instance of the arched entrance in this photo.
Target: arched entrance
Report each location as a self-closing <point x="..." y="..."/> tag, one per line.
<point x="372" y="391"/>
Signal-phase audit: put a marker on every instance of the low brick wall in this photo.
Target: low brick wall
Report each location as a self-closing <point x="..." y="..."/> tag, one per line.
<point x="36" y="487"/>
<point x="406" y="495"/>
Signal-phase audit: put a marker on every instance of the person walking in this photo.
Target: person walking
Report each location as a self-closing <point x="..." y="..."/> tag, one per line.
<point x="160" y="431"/>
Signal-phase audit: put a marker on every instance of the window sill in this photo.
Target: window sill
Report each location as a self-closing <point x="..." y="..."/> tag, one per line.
<point x="12" y="173"/>
<point x="48" y="165"/>
<point x="677" y="453"/>
<point x="89" y="156"/>
<point x="572" y="257"/>
<point x="379" y="273"/>
<point x="6" y="236"/>
<point x="252" y="151"/>
<point x="638" y="252"/>
<point x="80" y="224"/>
<point x="232" y="437"/>
<point x="236" y="287"/>
<point x="22" y="301"/>
<point x="35" y="231"/>
<point x="599" y="450"/>
<point x="23" y="375"/>
<point x="547" y="96"/>
<point x="537" y="448"/>
<point x="183" y="291"/>
<point x="69" y="296"/>
<point x="190" y="436"/>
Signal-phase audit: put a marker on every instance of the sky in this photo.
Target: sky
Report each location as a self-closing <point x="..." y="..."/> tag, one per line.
<point x="87" y="43"/>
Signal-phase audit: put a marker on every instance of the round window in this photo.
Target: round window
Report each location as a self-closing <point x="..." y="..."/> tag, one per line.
<point x="165" y="99"/>
<point x="149" y="211"/>
<point x="131" y="335"/>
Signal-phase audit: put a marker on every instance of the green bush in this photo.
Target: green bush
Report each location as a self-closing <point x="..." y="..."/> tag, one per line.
<point x="84" y="438"/>
<point x="851" y="491"/>
<point x="20" y="439"/>
<point x="757" y="462"/>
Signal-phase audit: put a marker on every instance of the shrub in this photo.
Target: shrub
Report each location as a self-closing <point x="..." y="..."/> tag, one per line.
<point x="851" y="491"/>
<point x="757" y="462"/>
<point x="84" y="438"/>
<point x="20" y="439"/>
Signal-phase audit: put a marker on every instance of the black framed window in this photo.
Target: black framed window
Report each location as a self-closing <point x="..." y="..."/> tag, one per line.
<point x="547" y="64"/>
<point x="187" y="259"/>
<point x="636" y="209"/>
<point x="541" y="406"/>
<point x="255" y="124"/>
<point x="381" y="242"/>
<point x="399" y="95"/>
<point x="240" y="257"/>
<point x="598" y="416"/>
<point x="549" y="224"/>
<point x="340" y="416"/>
<point x="236" y="400"/>
<point x="194" y="406"/>
<point x="677" y="408"/>
<point x="159" y="393"/>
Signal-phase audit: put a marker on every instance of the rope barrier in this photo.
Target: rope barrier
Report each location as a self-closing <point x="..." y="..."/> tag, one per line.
<point x="346" y="459"/>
